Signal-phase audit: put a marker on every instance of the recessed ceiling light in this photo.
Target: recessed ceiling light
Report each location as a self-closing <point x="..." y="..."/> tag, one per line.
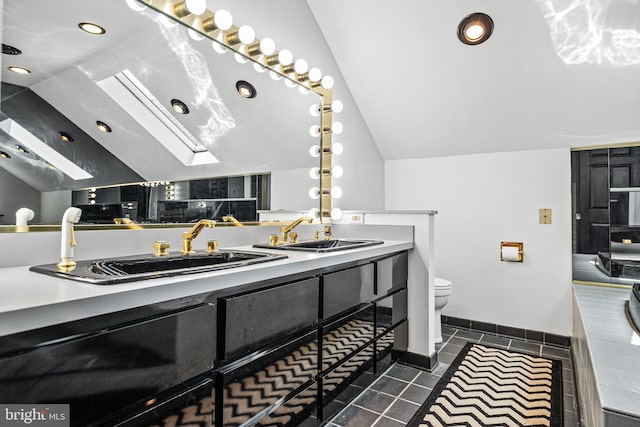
<point x="22" y="149"/>
<point x="91" y="28"/>
<point x="103" y="126"/>
<point x="475" y="28"/>
<point x="179" y="106"/>
<point x="246" y="89"/>
<point x="66" y="137"/>
<point x="4" y="155"/>
<point x="10" y="50"/>
<point x="19" y="70"/>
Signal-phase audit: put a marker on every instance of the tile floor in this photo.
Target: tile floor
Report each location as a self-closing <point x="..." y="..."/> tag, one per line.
<point x="395" y="396"/>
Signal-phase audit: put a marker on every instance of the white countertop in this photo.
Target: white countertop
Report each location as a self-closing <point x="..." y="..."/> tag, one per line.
<point x="32" y="300"/>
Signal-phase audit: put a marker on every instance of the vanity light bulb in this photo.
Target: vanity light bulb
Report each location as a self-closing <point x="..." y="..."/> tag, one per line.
<point x="301" y="66"/>
<point x="314" y="213"/>
<point x="314" y="110"/>
<point x="337" y="128"/>
<point x="315" y="75"/>
<point x="314" y="173"/>
<point x="223" y="19"/>
<point x="327" y="82"/>
<point x="136" y="5"/>
<point x="288" y="83"/>
<point x="274" y="76"/>
<point x="193" y="34"/>
<point x="303" y="90"/>
<point x="336" y="192"/>
<point x="337" y="148"/>
<point x="246" y="34"/>
<point x="239" y="58"/>
<point x="314" y="193"/>
<point x="336" y="213"/>
<point x="285" y="57"/>
<point x="267" y="46"/>
<point x="337" y="106"/>
<point x="314" y="131"/>
<point x="196" y="7"/>
<point x="337" y="171"/>
<point x="258" y="68"/>
<point x="219" y="48"/>
<point x="314" y="151"/>
<point x="92" y="202"/>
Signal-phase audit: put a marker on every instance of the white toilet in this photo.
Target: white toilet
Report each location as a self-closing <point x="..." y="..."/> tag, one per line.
<point x="443" y="288"/>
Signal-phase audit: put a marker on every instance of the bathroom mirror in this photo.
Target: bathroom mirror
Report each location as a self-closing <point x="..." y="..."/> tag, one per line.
<point x="127" y="78"/>
<point x="606" y="209"/>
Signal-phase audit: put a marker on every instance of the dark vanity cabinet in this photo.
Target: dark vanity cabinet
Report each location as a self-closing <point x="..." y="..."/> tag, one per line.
<point x="270" y="353"/>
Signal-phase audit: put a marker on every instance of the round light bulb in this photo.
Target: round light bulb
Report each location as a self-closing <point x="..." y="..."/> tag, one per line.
<point x="285" y="57"/>
<point x="336" y="192"/>
<point x="274" y="76"/>
<point x="315" y="75"/>
<point x="301" y="66"/>
<point x="246" y="34"/>
<point x="314" y="151"/>
<point x="223" y="19"/>
<point x="314" y="173"/>
<point x="474" y="32"/>
<point x="219" y="48"/>
<point x="314" y="213"/>
<point x="239" y="58"/>
<point x="314" y="110"/>
<point x="259" y="68"/>
<point x="136" y="5"/>
<point x="314" y="131"/>
<point x="336" y="213"/>
<point x="327" y="82"/>
<point x="337" y="148"/>
<point x="337" y="171"/>
<point x="194" y="35"/>
<point x="337" y="128"/>
<point x="267" y="46"/>
<point x="196" y="7"/>
<point x="303" y="90"/>
<point x="314" y="193"/>
<point x="289" y="83"/>
<point x="337" y="106"/>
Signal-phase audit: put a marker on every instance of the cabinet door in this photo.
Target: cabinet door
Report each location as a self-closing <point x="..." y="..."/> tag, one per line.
<point x="347" y="289"/>
<point x="104" y="371"/>
<point x="254" y="319"/>
<point x="391" y="273"/>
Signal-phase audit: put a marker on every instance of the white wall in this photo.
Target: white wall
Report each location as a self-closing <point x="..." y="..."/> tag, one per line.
<point x="54" y="203"/>
<point x="481" y="200"/>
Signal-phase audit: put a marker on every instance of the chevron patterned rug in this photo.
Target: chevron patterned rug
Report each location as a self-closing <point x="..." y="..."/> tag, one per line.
<point x="486" y="386"/>
<point x="248" y="396"/>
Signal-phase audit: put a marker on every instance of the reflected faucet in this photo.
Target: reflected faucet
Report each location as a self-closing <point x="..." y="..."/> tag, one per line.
<point x="232" y="219"/>
<point x="187" y="237"/>
<point x="23" y="216"/>
<point x="71" y="216"/>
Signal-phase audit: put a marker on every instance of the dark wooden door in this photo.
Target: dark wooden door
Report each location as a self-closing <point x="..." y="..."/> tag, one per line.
<point x="592" y="200"/>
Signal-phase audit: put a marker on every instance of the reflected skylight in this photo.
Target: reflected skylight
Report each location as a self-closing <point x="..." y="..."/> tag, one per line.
<point x="593" y="32"/>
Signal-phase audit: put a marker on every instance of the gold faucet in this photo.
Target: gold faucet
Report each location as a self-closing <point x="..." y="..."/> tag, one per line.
<point x="233" y="220"/>
<point x="128" y="222"/>
<point x="187" y="237"/>
<point x="286" y="232"/>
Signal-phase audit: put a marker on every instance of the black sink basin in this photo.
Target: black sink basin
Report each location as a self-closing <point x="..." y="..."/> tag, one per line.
<point x="323" y="245"/>
<point x="142" y="267"/>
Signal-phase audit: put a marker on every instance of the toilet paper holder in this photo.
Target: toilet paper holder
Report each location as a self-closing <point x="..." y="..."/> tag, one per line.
<point x="511" y="251"/>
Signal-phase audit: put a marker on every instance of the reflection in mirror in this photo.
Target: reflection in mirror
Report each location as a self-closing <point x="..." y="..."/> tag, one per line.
<point x="129" y="78"/>
<point x="606" y="207"/>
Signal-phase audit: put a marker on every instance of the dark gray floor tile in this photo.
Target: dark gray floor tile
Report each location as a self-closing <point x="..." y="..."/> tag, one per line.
<point x="374" y="400"/>
<point x="364" y="379"/>
<point x="402" y="411"/>
<point x="526" y="347"/>
<point x="469" y="335"/>
<point x="569" y="402"/>
<point x="388" y="422"/>
<point x="439" y="345"/>
<point x="452" y="348"/>
<point x="571" y="419"/>
<point x="348" y="393"/>
<point x="458" y="341"/>
<point x="390" y="385"/>
<point x="496" y="341"/>
<point x="403" y="372"/>
<point x="445" y="357"/>
<point x="331" y="409"/>
<point x="310" y="422"/>
<point x="355" y="417"/>
<point x="416" y="394"/>
<point x="448" y="330"/>
<point x="427" y="380"/>
<point x="556" y="352"/>
<point x="440" y="369"/>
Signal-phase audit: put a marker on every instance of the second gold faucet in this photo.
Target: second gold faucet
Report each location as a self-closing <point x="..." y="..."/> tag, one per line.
<point x="189" y="236"/>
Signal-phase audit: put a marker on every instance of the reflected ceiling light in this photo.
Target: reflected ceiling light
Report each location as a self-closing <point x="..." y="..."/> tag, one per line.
<point x="179" y="106"/>
<point x="244" y="35"/>
<point x="4" y="155"/>
<point x="128" y="92"/>
<point x="221" y="20"/>
<point x="91" y="28"/>
<point x="274" y="76"/>
<point x="18" y="70"/>
<point x="259" y="68"/>
<point x="22" y="149"/>
<point x="314" y="151"/>
<point x="240" y="59"/>
<point x="219" y="47"/>
<point x="103" y="127"/>
<point x="35" y="145"/>
<point x="10" y="50"/>
<point x="314" y="131"/>
<point x="314" y="110"/>
<point x="195" y="35"/>
<point x="475" y="28"/>
<point x="290" y="84"/>
<point x="193" y="7"/>
<point x="314" y="193"/>
<point x="65" y="137"/>
<point x="136" y="5"/>
<point x="246" y="89"/>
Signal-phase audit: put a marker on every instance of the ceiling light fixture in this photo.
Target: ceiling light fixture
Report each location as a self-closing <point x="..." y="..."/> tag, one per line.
<point x="65" y="137"/>
<point x="179" y="106"/>
<point x="136" y="99"/>
<point x="475" y="28"/>
<point x="103" y="126"/>
<point x="19" y="70"/>
<point x="35" y="145"/>
<point x="22" y="149"/>
<point x="10" y="50"/>
<point x="91" y="28"/>
<point x="4" y="155"/>
<point x="246" y="89"/>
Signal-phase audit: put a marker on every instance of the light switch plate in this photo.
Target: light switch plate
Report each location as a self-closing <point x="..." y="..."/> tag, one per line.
<point x="545" y="216"/>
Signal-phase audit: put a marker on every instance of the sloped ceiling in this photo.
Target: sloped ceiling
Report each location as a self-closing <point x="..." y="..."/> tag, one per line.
<point x="555" y="73"/>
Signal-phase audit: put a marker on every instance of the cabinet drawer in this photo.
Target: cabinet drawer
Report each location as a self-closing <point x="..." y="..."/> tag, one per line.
<point x="346" y="289"/>
<point x="391" y="273"/>
<point x="252" y="320"/>
<point x="104" y="371"/>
